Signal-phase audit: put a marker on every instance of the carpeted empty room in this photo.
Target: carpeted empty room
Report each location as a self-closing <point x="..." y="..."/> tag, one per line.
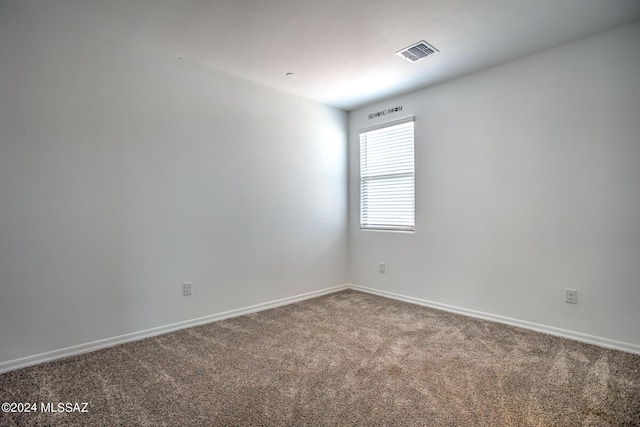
<point x="320" y="213"/>
<point x="348" y="358"/>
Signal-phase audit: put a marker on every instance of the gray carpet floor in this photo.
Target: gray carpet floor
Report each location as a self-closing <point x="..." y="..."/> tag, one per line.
<point x="349" y="359"/>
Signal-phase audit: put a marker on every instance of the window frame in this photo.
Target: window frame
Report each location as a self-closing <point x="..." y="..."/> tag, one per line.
<point x="387" y="176"/>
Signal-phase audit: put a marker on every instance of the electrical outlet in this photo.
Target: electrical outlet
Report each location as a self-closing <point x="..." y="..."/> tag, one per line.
<point x="571" y="296"/>
<point x="187" y="287"/>
<point x="382" y="268"/>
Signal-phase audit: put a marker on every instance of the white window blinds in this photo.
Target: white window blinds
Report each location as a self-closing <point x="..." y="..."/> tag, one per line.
<point x="387" y="188"/>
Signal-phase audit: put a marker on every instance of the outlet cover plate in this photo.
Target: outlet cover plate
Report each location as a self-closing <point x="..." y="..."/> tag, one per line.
<point x="187" y="288"/>
<point x="571" y="296"/>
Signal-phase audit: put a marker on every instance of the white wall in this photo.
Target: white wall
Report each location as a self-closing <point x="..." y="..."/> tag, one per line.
<point x="124" y="173"/>
<point x="528" y="182"/>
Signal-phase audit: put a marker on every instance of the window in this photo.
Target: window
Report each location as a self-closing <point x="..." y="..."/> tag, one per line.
<point x="387" y="185"/>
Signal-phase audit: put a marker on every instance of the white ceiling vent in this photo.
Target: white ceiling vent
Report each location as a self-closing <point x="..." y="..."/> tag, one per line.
<point x="417" y="51"/>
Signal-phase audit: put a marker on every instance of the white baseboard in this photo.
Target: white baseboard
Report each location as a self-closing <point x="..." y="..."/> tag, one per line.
<point x="577" y="336"/>
<point x="135" y="336"/>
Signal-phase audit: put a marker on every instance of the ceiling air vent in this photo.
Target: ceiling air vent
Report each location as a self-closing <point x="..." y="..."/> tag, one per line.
<point x="417" y="51"/>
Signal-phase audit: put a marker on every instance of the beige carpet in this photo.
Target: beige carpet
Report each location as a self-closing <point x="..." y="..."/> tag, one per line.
<point x="349" y="359"/>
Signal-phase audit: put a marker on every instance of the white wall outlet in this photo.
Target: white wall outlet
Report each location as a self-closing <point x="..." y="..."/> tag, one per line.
<point x="571" y="296"/>
<point x="382" y="267"/>
<point x="187" y="288"/>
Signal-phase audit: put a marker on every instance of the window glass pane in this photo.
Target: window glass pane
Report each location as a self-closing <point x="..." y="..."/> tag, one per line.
<point x="387" y="187"/>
